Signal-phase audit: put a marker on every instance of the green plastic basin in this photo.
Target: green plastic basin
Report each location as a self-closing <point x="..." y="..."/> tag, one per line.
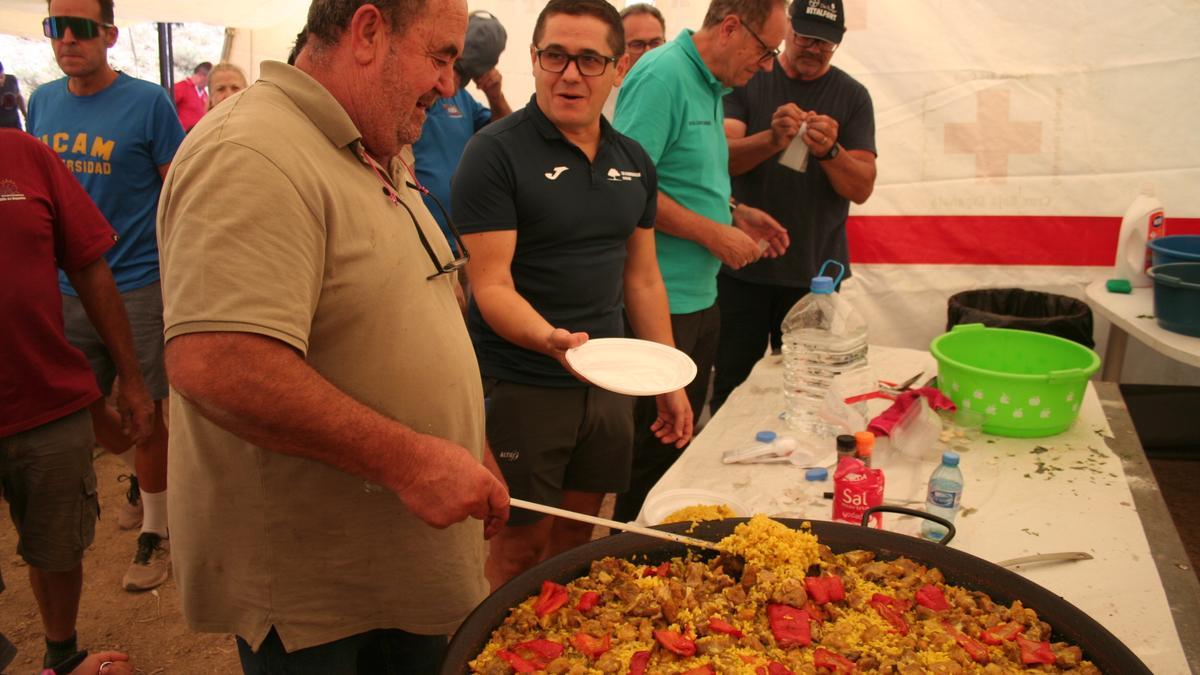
<point x="1026" y="384"/>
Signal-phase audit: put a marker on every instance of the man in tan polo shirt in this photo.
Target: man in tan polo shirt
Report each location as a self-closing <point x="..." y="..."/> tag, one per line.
<point x="330" y="481"/>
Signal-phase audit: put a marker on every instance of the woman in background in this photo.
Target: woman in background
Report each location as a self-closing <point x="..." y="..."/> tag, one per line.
<point x="224" y="81"/>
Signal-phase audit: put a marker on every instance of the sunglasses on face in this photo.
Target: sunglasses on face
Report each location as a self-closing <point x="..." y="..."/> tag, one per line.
<point x="55" y="27"/>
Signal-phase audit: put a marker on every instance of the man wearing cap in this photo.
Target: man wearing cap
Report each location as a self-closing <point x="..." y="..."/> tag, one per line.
<point x="671" y="105"/>
<point x="452" y="121"/>
<point x="558" y="210"/>
<point x="834" y="112"/>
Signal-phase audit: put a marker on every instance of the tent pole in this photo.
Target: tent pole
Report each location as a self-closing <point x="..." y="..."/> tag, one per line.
<point x="166" y="58"/>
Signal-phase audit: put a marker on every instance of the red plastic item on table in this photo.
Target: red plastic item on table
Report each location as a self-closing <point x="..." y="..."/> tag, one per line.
<point x="856" y="488"/>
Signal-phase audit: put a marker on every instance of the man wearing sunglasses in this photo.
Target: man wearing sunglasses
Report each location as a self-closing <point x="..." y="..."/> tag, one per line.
<point x="118" y="135"/>
<point x="671" y="105"/>
<point x="558" y="209"/>
<point x="328" y="456"/>
<point x="805" y="100"/>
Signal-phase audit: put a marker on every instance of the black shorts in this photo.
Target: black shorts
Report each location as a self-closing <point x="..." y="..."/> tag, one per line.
<point x="550" y="439"/>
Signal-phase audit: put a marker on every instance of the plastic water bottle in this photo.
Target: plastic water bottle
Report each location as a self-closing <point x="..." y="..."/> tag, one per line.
<point x="945" y="493"/>
<point x="823" y="337"/>
<point x="1143" y="221"/>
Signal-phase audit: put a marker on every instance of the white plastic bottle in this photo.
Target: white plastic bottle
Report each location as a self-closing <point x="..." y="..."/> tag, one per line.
<point x="1143" y="221"/>
<point x="944" y="495"/>
<point x="823" y="337"/>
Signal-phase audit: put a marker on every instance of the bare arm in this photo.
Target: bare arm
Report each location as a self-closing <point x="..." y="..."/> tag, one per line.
<point x="263" y="391"/>
<point x="649" y="314"/>
<point x="852" y="172"/>
<point x="105" y="309"/>
<point x="490" y="84"/>
<point x="509" y="314"/>
<point x="732" y="246"/>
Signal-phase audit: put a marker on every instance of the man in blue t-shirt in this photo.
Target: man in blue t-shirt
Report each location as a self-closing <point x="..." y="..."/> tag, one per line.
<point x="451" y="122"/>
<point x="117" y="135"/>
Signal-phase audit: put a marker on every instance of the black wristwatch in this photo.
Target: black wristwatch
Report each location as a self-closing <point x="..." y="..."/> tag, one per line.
<point x="832" y="154"/>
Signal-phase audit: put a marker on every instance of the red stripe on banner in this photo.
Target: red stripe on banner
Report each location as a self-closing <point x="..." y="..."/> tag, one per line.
<point x="1061" y="241"/>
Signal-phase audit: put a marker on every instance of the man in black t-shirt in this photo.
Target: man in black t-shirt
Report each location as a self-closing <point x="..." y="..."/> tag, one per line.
<point x="557" y="210"/>
<point x="11" y="101"/>
<point x="808" y="101"/>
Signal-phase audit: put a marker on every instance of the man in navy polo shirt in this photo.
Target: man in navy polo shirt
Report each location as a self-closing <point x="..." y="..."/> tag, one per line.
<point x="557" y="210"/>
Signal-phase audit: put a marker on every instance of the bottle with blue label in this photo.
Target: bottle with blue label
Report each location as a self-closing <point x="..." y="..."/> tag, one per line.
<point x="944" y="496"/>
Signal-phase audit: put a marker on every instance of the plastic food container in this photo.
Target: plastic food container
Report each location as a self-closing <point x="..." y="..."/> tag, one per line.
<point x="1176" y="248"/>
<point x="1177" y="297"/>
<point x="1026" y="384"/>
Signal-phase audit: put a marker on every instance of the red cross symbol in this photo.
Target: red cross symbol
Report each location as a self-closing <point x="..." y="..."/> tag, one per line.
<point x="994" y="136"/>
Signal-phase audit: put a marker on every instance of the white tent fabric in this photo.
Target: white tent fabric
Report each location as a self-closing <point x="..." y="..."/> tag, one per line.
<point x="1011" y="136"/>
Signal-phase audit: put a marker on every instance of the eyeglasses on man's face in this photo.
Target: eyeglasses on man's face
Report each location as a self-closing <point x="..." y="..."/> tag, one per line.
<point x="768" y="51"/>
<point x="806" y="42"/>
<point x="639" y="46"/>
<point x="588" y="65"/>
<point x="55" y="27"/>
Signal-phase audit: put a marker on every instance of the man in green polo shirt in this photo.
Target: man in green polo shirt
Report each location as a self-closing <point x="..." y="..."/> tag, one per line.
<point x="672" y="105"/>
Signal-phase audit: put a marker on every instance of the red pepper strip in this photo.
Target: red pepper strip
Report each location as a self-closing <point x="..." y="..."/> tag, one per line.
<point x="817" y="590"/>
<point x="539" y="651"/>
<point x="702" y="670"/>
<point x="1035" y="652"/>
<point x="719" y="626"/>
<point x="823" y="658"/>
<point x="661" y="570"/>
<point x="892" y="611"/>
<point x="815" y="612"/>
<point x="588" y="601"/>
<point x="777" y="668"/>
<point x="518" y="664"/>
<point x="590" y="646"/>
<point x="974" y="648"/>
<point x="932" y="597"/>
<point x="996" y="635"/>
<point x="789" y="625"/>
<point x="828" y="588"/>
<point x="675" y="642"/>
<point x="637" y="664"/>
<point x="553" y="597"/>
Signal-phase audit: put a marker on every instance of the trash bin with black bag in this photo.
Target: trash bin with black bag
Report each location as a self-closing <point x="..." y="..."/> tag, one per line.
<point x="1024" y="310"/>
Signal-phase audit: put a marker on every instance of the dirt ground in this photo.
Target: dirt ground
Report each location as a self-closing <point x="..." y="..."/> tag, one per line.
<point x="148" y="626"/>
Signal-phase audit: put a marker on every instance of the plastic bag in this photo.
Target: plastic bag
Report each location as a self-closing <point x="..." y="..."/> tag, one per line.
<point x="848" y="418"/>
<point x="915" y="436"/>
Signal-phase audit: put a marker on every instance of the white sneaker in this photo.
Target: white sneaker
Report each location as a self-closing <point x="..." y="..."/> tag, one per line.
<point x="151" y="564"/>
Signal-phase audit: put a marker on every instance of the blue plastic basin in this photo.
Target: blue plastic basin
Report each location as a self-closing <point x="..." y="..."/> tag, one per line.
<point x="1177" y="297"/>
<point x="1176" y="248"/>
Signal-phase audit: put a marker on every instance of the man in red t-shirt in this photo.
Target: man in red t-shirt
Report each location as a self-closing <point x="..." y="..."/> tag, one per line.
<point x="46" y="385"/>
<point x="191" y="96"/>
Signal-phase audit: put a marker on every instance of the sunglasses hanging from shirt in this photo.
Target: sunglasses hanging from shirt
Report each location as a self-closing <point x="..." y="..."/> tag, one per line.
<point x="55" y="27"/>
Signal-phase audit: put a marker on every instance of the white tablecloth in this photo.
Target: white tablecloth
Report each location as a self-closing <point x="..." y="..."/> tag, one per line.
<point x="1021" y="497"/>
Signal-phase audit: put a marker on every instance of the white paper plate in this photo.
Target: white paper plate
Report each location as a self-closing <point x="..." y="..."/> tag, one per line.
<point x="663" y="504"/>
<point x="632" y="367"/>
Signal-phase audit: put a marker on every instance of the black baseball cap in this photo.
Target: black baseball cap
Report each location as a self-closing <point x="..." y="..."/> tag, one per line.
<point x="824" y="19"/>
